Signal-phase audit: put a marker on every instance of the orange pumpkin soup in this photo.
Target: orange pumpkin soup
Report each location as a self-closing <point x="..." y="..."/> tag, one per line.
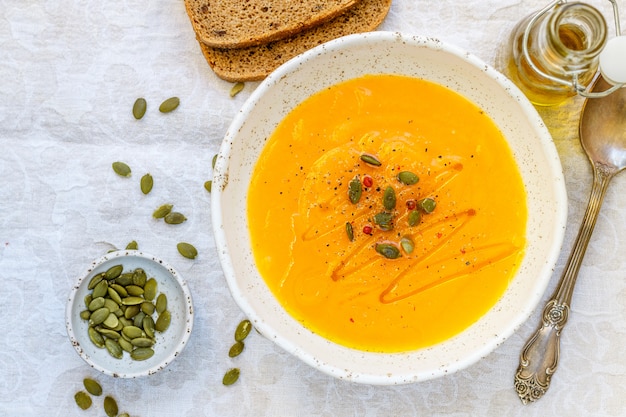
<point x="387" y="213"/>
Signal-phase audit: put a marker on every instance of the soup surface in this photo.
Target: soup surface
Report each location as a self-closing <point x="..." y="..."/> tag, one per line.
<point x="371" y="258"/>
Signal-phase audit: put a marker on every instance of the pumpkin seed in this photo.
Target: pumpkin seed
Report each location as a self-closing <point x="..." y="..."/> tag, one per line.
<point x="115" y="296"/>
<point x="139" y="277"/>
<point x="208" y="185"/>
<point x="100" y="290"/>
<point x="113" y="272"/>
<point x="131" y="311"/>
<point x="236" y="349"/>
<point x="350" y="231"/>
<point x="427" y="205"/>
<point x="131" y="300"/>
<point x="121" y="169"/>
<point x="148" y="325"/>
<point x="96" y="304"/>
<point x="414" y="217"/>
<point x="124" y="415"/>
<point x="134" y="290"/>
<point x="142" y="342"/>
<point x="174" y="217"/>
<point x="370" y="159"/>
<point x="111" y="305"/>
<point x="162" y="211"/>
<point x="163" y="321"/>
<point x="161" y="303"/>
<point x="408" y="178"/>
<point x="85" y="314"/>
<point x="132" y="246"/>
<point x="243" y="330"/>
<point x="142" y="353"/>
<point x="139" y="108"/>
<point x="92" y="386"/>
<point x="150" y="289"/>
<point x="113" y="348"/>
<point x="99" y="316"/>
<point x="87" y="300"/>
<point x="125" y="344"/>
<point x="407" y="244"/>
<point x="83" y="401"/>
<point x="146" y="183"/>
<point x="384" y="221"/>
<point x="95" y="281"/>
<point x="147" y="307"/>
<point x="169" y="105"/>
<point x="388" y="250"/>
<point x="355" y="189"/>
<point x="231" y="376"/>
<point x="132" y="332"/>
<point x="213" y="161"/>
<point x="110" y="406"/>
<point x="389" y="198"/>
<point x="124" y="279"/>
<point x="138" y="319"/>
<point x="236" y="89"/>
<point x="120" y="290"/>
<point x="108" y="333"/>
<point x="111" y="321"/>
<point x="187" y="250"/>
<point x="95" y="337"/>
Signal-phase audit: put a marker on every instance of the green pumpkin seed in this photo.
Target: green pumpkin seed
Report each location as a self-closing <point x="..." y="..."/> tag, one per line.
<point x="162" y="211"/>
<point x="148" y="325"/>
<point x="163" y="321"/>
<point x="243" y="330"/>
<point x="85" y="314"/>
<point x="113" y="348"/>
<point x="121" y="169"/>
<point x="161" y="303"/>
<point x="147" y="307"/>
<point x="110" y="406"/>
<point x="111" y="321"/>
<point x="370" y="159"/>
<point x="146" y="183"/>
<point x="131" y="301"/>
<point x="99" y="316"/>
<point x="100" y="290"/>
<point x="213" y="161"/>
<point x="139" y="277"/>
<point x="139" y="108"/>
<point x="124" y="279"/>
<point x="407" y="244"/>
<point x="87" y="300"/>
<point x="414" y="217"/>
<point x="113" y="272"/>
<point x="111" y="305"/>
<point x="95" y="337"/>
<point x="174" y="217"/>
<point x="142" y="353"/>
<point x="132" y="246"/>
<point x="142" y="342"/>
<point x="125" y="345"/>
<point x="236" y="349"/>
<point x="108" y="333"/>
<point x="350" y="231"/>
<point x="115" y="296"/>
<point x="169" y="105"/>
<point x="427" y="205"/>
<point x="389" y="198"/>
<point x="231" y="376"/>
<point x="408" y="178"/>
<point x="124" y="415"/>
<point x="355" y="189"/>
<point x="92" y="387"/>
<point x="132" y="332"/>
<point x="131" y="311"/>
<point x="96" y="304"/>
<point x="95" y="281"/>
<point x="236" y="89"/>
<point x="150" y="289"/>
<point x="187" y="250"/>
<point x="138" y="319"/>
<point x="388" y="250"/>
<point x="208" y="185"/>
<point x="134" y="290"/>
<point x="384" y="221"/>
<point x="83" y="400"/>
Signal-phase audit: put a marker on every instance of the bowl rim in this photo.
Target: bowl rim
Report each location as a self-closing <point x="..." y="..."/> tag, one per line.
<point x="557" y="232"/>
<point x="188" y="309"/>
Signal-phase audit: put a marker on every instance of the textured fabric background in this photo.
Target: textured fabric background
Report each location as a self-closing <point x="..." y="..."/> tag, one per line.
<point x="69" y="73"/>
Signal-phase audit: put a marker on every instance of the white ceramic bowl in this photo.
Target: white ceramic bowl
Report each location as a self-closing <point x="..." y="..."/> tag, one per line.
<point x="430" y="59"/>
<point x="169" y="344"/>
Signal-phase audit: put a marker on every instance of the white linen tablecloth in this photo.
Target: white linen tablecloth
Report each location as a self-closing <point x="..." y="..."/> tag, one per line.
<point x="70" y="71"/>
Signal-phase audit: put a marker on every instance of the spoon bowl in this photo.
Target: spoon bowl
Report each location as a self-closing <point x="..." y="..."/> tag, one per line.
<point x="603" y="138"/>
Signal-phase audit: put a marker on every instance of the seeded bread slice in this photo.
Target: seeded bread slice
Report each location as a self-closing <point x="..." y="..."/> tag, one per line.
<point x="243" y="23"/>
<point x="255" y="63"/>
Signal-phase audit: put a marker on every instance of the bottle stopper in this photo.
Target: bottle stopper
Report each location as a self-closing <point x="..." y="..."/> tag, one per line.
<point x="613" y="61"/>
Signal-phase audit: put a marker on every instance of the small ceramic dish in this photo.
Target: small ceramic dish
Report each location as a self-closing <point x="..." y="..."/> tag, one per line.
<point x="168" y="344"/>
<point x="413" y="56"/>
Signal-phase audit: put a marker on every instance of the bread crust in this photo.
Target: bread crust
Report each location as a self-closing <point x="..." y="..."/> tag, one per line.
<point x="255" y="63"/>
<point x="244" y="23"/>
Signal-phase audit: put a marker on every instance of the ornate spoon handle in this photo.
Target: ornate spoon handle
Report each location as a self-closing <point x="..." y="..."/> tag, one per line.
<point x="540" y="355"/>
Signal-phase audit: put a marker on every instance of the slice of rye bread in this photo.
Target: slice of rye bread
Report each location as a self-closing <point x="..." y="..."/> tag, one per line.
<point x="243" y="23"/>
<point x="257" y="62"/>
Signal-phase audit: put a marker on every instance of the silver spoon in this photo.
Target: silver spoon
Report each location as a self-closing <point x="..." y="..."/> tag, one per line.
<point x="603" y="138"/>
